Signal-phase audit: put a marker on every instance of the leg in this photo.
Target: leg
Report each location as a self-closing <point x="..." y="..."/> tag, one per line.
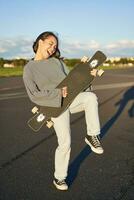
<point x="87" y="101"/>
<point x="62" y="153"/>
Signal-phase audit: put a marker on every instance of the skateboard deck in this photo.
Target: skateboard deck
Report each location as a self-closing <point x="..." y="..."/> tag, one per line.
<point x="78" y="79"/>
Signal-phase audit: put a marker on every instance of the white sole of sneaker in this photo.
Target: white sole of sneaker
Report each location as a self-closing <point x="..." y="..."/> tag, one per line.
<point x="60" y="187"/>
<point x="98" y="151"/>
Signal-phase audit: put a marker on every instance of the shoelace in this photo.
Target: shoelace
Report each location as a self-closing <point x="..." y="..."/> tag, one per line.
<point x="96" y="142"/>
<point x="60" y="182"/>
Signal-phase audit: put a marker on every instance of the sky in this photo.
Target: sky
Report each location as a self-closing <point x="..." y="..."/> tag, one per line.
<point x="82" y="26"/>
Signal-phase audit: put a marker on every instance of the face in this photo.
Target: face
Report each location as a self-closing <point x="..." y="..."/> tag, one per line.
<point x="47" y="47"/>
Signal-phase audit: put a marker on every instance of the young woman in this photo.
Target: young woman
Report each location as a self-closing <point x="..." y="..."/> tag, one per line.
<point x="41" y="76"/>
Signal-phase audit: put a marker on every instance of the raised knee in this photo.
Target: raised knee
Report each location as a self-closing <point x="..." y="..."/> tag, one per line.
<point x="92" y="97"/>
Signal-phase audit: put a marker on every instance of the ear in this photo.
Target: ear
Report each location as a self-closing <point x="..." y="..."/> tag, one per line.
<point x="40" y="43"/>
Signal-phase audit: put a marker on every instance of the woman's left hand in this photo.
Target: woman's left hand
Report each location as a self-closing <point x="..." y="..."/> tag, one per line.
<point x="94" y="72"/>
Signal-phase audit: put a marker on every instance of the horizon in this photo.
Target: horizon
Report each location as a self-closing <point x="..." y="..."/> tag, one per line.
<point x="83" y="27"/>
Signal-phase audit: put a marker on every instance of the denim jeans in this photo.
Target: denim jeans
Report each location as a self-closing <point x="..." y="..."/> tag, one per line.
<point x="85" y="101"/>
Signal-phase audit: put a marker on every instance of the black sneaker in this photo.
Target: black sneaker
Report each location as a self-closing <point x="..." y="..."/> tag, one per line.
<point x="60" y="184"/>
<point x="94" y="143"/>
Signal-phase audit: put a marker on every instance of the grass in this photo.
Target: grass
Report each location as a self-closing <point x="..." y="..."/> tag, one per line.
<point x="18" y="71"/>
<point x="7" y="72"/>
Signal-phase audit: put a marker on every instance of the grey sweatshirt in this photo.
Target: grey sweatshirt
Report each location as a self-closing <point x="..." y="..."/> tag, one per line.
<point x="41" y="78"/>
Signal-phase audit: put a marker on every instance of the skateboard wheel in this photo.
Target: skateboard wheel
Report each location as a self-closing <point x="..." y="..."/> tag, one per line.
<point x="100" y="72"/>
<point x="84" y="59"/>
<point x="34" y="110"/>
<point x="49" y="124"/>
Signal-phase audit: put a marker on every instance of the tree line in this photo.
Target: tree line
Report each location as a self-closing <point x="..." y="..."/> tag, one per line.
<point x="15" y="62"/>
<point x="22" y="62"/>
<point x="69" y="62"/>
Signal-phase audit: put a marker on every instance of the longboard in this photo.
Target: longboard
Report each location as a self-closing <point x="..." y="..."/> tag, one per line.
<point x="76" y="81"/>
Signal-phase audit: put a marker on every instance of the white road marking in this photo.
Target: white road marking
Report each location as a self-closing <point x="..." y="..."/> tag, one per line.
<point x="95" y="87"/>
<point x="113" y="85"/>
<point x="10" y="88"/>
<point x="12" y="94"/>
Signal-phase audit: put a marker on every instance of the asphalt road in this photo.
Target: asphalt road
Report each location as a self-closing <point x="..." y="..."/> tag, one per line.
<point x="27" y="158"/>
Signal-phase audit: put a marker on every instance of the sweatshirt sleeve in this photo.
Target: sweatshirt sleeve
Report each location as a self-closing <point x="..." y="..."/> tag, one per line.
<point x="50" y="97"/>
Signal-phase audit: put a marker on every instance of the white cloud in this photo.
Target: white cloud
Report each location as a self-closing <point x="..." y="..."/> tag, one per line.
<point x="14" y="47"/>
<point x="2" y="50"/>
<point x="77" y="48"/>
<point x="22" y="47"/>
<point x="122" y="48"/>
<point x="121" y="44"/>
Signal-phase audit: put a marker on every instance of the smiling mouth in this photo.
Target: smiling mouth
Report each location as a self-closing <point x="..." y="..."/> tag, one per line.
<point x="48" y="53"/>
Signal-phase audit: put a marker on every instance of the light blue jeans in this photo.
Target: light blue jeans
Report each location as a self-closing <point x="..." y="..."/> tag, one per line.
<point x="85" y="101"/>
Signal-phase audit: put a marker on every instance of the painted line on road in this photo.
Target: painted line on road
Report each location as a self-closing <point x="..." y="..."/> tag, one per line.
<point x="11" y="88"/>
<point x="12" y="94"/>
<point x="95" y="87"/>
<point x="13" y="97"/>
<point x="112" y="86"/>
<point x="121" y="75"/>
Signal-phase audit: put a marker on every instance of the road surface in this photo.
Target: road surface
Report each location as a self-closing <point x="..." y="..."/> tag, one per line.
<point x="27" y="158"/>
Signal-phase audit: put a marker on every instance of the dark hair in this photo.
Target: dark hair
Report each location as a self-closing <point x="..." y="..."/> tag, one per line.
<point x="43" y="36"/>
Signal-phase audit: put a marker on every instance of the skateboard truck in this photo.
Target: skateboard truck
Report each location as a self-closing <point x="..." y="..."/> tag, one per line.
<point x="34" y="110"/>
<point x="49" y="124"/>
<point x="100" y="72"/>
<point x="84" y="59"/>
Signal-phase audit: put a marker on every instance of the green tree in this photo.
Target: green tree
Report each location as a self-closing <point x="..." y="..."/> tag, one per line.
<point x="1" y="62"/>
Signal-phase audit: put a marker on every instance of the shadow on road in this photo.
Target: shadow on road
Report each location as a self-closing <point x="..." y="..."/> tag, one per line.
<point x="26" y="151"/>
<point x="75" y="165"/>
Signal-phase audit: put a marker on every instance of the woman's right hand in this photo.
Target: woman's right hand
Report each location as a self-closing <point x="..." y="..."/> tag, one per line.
<point x="64" y="92"/>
